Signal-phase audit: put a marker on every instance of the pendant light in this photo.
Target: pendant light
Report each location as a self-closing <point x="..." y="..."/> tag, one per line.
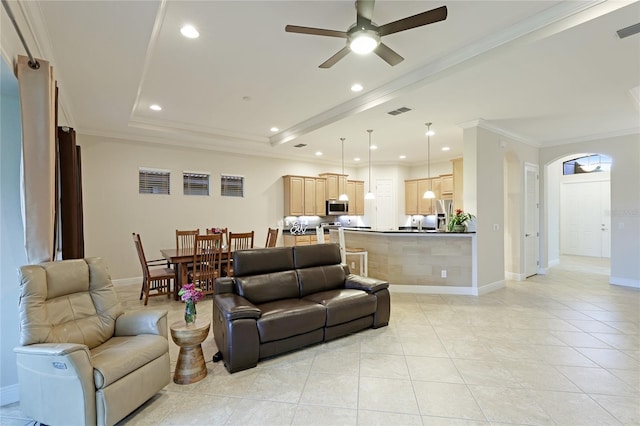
<point x="428" y="193"/>
<point x="370" y="195"/>
<point x="343" y="196"/>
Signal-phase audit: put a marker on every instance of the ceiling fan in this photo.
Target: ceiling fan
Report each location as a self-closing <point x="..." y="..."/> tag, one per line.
<point x="364" y="36"/>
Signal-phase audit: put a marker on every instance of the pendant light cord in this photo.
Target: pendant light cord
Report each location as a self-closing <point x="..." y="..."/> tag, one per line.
<point x="342" y="140"/>
<point x="428" y="150"/>
<point x="370" y="130"/>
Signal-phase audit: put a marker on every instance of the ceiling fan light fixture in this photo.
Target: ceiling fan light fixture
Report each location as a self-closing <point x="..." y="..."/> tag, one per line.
<point x="364" y="41"/>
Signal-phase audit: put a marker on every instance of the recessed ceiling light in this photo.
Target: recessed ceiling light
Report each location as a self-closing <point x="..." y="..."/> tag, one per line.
<point x="155" y="107"/>
<point x="430" y="133"/>
<point x="446" y="148"/>
<point x="374" y="147"/>
<point x="318" y="153"/>
<point x="356" y="159"/>
<point x="402" y="157"/>
<point x="356" y="87"/>
<point x="274" y="129"/>
<point x="189" y="31"/>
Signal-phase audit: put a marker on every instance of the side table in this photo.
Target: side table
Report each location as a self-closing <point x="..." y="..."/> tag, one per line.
<point x="190" y="367"/>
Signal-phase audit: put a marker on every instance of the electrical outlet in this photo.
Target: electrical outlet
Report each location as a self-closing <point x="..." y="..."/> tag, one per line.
<point x="353" y="265"/>
<point x="443" y="273"/>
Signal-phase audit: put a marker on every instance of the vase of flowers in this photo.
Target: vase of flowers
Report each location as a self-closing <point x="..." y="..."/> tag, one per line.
<point x="457" y="221"/>
<point x="190" y="295"/>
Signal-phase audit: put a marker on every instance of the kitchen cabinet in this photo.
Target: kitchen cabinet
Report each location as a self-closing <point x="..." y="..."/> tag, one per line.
<point x="293" y="195"/>
<point x="355" y="192"/>
<point x="336" y="184"/>
<point x="304" y="196"/>
<point x="411" y="196"/>
<point x="457" y="184"/>
<point x="446" y="187"/>
<point x="414" y="189"/>
<point x="302" y="240"/>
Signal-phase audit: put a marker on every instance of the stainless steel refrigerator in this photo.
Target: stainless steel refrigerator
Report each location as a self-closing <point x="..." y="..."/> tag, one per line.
<point x="444" y="209"/>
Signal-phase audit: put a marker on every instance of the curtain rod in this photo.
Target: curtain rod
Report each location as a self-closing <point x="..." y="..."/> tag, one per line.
<point x="33" y="63"/>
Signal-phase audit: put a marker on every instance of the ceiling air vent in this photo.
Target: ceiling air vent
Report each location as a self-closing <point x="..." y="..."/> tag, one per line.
<point x="300" y="145"/>
<point x="629" y="31"/>
<point x="399" y="111"/>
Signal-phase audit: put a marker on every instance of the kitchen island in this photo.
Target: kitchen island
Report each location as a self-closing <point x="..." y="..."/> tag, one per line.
<point x="415" y="261"/>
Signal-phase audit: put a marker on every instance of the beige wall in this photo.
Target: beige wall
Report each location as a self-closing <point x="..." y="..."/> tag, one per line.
<point x="113" y="208"/>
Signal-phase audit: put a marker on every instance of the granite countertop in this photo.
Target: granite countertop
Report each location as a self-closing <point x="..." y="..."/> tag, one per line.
<point x="407" y="231"/>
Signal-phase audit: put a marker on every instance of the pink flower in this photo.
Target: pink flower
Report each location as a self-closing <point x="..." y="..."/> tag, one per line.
<point x="189" y="292"/>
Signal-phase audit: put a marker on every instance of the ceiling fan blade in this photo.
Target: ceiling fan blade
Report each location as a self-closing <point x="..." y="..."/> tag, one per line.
<point x="388" y="54"/>
<point x="335" y="58"/>
<point x="315" y="31"/>
<point x="424" y="18"/>
<point x="364" y="10"/>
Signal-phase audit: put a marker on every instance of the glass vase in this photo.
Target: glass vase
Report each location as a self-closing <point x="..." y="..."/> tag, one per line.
<point x="190" y="312"/>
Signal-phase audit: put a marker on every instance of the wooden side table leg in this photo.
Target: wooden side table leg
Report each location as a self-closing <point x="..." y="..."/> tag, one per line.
<point x="190" y="367"/>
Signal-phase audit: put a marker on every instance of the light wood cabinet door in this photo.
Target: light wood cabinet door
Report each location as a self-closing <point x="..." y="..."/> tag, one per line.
<point x="351" y="193"/>
<point x="457" y="184"/>
<point x="320" y="206"/>
<point x="446" y="186"/>
<point x="293" y="195"/>
<point x="411" y="197"/>
<point x="359" y="197"/>
<point x="336" y="185"/>
<point x="425" y="205"/>
<point x="309" y="196"/>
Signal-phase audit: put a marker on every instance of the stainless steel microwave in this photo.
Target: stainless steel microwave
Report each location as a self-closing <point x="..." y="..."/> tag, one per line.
<point x="337" y="207"/>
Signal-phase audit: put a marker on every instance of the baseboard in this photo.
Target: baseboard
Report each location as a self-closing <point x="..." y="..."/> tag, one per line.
<point x="127" y="281"/>
<point x="488" y="288"/>
<point x="513" y="276"/>
<point x="625" y="282"/>
<point x="432" y="289"/>
<point x="9" y="394"/>
<point x="542" y="271"/>
<point x="554" y="262"/>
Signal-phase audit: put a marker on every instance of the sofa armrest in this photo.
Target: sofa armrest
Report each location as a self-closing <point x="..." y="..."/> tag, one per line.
<point x="224" y="285"/>
<point x="142" y="322"/>
<point x="370" y="285"/>
<point x="235" y="307"/>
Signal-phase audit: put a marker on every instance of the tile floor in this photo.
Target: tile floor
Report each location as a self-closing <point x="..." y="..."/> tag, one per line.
<point x="557" y="349"/>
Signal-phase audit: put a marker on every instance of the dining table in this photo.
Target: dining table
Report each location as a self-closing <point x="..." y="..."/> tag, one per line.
<point x="180" y="259"/>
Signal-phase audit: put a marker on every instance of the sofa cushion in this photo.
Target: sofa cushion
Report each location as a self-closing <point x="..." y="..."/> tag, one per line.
<point x="289" y="317"/>
<point x="262" y="261"/>
<point x="321" y="278"/>
<point x="345" y="305"/>
<point x="119" y="356"/>
<point x="264" y="288"/>
<point x="316" y="255"/>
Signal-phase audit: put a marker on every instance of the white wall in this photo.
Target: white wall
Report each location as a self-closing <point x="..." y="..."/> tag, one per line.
<point x="113" y="208"/>
<point x="625" y="201"/>
<point x="12" y="253"/>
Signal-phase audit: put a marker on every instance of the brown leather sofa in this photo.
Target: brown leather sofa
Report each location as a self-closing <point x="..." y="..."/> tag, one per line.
<point x="285" y="298"/>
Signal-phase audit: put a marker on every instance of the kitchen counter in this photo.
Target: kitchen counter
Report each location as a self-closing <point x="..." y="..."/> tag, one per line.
<point x="415" y="261"/>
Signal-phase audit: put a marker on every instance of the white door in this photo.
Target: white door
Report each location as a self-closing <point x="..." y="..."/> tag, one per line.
<point x="385" y="213"/>
<point x="585" y="218"/>
<point x="531" y="221"/>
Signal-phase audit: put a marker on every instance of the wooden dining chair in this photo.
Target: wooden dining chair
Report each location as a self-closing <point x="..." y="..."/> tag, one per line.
<point x="272" y="238"/>
<point x="237" y="241"/>
<point x="186" y="238"/>
<point x="155" y="275"/>
<point x="208" y="263"/>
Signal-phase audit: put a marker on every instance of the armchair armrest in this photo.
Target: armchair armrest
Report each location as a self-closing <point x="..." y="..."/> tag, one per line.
<point x="52" y="349"/>
<point x="370" y="285"/>
<point x="142" y="322"/>
<point x="235" y="307"/>
<point x="224" y="285"/>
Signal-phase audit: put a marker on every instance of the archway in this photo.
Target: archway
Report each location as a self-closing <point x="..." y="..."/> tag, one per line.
<point x="578" y="212"/>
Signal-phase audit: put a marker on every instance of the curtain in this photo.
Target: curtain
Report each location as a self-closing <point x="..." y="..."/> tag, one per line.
<point x="37" y="106"/>
<point x="70" y="187"/>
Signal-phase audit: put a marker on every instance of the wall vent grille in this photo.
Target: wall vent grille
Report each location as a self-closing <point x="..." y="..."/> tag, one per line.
<point x="399" y="111"/>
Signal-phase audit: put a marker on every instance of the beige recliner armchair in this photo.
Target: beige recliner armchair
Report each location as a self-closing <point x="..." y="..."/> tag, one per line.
<point x="83" y="360"/>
